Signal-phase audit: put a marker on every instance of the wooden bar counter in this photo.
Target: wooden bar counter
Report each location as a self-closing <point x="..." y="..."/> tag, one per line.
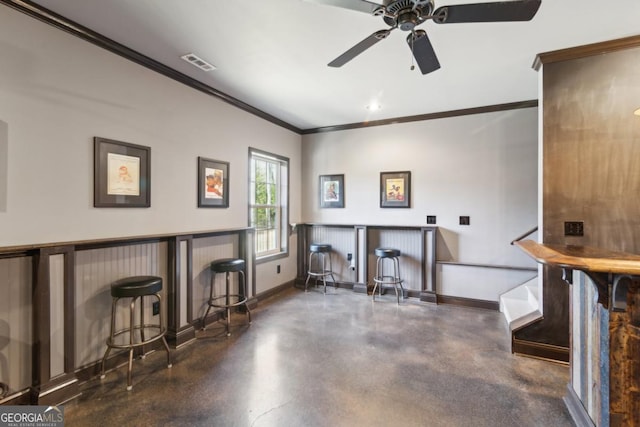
<point x="609" y="346"/>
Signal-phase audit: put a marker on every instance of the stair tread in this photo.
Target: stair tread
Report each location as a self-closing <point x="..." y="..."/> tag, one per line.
<point x="514" y="309"/>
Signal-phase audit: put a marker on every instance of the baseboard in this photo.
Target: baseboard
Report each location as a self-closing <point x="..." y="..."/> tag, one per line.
<point x="360" y="288"/>
<point x="56" y="392"/>
<point x="182" y="337"/>
<point x="276" y="290"/>
<point x="553" y="353"/>
<point x="114" y="361"/>
<point x="428" y="296"/>
<point x="468" y="302"/>
<point x="22" y="397"/>
<point x="577" y="411"/>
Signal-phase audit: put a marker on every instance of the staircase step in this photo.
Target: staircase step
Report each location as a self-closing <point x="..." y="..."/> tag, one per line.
<point x="520" y="305"/>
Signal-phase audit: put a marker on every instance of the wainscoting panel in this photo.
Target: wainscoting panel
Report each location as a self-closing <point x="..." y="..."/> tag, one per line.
<point x="16" y="322"/>
<point x="182" y="286"/>
<point x="206" y="250"/>
<point x="251" y="266"/>
<point x="429" y="260"/>
<point x="56" y="314"/>
<point x="410" y="244"/>
<point x="362" y="255"/>
<point x="96" y="269"/>
<point x="342" y="240"/>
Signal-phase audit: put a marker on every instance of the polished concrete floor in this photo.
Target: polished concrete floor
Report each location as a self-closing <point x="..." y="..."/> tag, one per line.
<point x="338" y="359"/>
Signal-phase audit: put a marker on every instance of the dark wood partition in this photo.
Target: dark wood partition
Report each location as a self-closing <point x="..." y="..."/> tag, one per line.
<point x="417" y="244"/>
<point x="69" y="292"/>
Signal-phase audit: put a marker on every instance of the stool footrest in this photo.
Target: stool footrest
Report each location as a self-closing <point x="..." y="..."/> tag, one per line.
<point x="388" y="280"/>
<point x="241" y="301"/>
<point x="320" y="273"/>
<point x="111" y="341"/>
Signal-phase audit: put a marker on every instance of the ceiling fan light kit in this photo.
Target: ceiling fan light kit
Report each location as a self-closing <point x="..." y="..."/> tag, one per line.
<point x="408" y="14"/>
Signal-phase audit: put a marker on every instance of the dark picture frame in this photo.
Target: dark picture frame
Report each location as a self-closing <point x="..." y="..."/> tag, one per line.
<point x="213" y="183"/>
<point x="121" y="174"/>
<point x="331" y="191"/>
<point x="395" y="189"/>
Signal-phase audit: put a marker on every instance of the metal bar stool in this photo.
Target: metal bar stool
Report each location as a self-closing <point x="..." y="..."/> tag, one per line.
<point x="136" y="287"/>
<point x="228" y="265"/>
<point x="319" y="252"/>
<point x="380" y="278"/>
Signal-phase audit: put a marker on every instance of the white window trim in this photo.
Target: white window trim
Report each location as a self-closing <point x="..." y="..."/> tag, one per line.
<point x="281" y="207"/>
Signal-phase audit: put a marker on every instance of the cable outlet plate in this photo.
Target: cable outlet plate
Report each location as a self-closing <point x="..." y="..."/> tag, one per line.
<point x="574" y="228"/>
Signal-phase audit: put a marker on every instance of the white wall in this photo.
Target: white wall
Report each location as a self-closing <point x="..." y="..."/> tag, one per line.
<point x="57" y="92"/>
<point x="482" y="165"/>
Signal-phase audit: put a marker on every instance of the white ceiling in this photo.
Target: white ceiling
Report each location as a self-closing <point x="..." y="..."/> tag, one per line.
<point x="272" y="54"/>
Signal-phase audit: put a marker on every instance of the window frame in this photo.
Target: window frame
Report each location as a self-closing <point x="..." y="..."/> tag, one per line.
<point x="283" y="205"/>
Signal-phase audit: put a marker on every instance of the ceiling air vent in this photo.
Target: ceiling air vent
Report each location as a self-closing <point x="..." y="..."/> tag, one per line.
<point x="198" y="62"/>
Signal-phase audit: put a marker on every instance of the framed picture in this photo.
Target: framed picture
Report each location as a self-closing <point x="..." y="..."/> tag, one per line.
<point x="121" y="174"/>
<point x="332" y="191"/>
<point x="213" y="183"/>
<point x="395" y="189"/>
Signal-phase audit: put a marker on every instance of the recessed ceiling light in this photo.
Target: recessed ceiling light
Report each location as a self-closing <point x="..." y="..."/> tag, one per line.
<point x="374" y="106"/>
<point x="198" y="62"/>
<point x="637" y="112"/>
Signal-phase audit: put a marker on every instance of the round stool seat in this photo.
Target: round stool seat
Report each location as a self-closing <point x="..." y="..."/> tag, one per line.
<point x="133" y="334"/>
<point x="227" y="265"/>
<point x="387" y="252"/>
<point x="320" y="247"/>
<point x="131" y="287"/>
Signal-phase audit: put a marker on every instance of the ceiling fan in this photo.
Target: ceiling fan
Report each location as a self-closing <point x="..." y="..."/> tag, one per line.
<point x="408" y="14"/>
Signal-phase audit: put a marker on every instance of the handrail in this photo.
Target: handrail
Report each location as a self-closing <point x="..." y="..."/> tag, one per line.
<point x="501" y="267"/>
<point x="517" y="239"/>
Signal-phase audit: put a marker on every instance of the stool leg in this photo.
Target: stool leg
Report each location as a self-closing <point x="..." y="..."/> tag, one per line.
<point x="110" y="339"/>
<point x="375" y="279"/>
<point x="398" y="278"/>
<point x="163" y="331"/>
<point x="246" y="295"/>
<point x="206" y="313"/>
<point x="227" y="302"/>
<point x="324" y="277"/>
<point x="335" y="284"/>
<point x="142" y="353"/>
<point x="131" y="326"/>
<point x="306" y="282"/>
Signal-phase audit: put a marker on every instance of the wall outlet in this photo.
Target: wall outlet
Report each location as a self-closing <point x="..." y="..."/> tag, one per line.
<point x="349" y="257"/>
<point x="278" y="269"/>
<point x="155" y="308"/>
<point x="431" y="219"/>
<point x="574" y="228"/>
<point x="465" y="220"/>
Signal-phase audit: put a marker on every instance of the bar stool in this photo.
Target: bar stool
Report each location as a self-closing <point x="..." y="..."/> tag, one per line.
<point x="228" y="265"/>
<point x="380" y="278"/>
<point x="319" y="252"/>
<point x="136" y="287"/>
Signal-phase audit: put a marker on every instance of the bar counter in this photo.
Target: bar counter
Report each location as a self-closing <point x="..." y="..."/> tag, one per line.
<point x="605" y="336"/>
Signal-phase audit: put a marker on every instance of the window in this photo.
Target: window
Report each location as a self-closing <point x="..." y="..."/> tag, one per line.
<point x="269" y="202"/>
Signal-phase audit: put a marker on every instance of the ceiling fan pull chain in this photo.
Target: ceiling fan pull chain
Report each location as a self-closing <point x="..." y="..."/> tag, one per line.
<point x="413" y="37"/>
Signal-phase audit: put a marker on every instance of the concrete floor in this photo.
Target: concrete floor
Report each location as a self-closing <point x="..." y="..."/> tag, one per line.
<point x="337" y="360"/>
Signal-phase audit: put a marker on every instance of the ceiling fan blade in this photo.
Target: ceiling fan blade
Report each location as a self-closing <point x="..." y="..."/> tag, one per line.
<point x="359" y="48"/>
<point x="521" y="10"/>
<point x="357" y="5"/>
<point x="423" y="51"/>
